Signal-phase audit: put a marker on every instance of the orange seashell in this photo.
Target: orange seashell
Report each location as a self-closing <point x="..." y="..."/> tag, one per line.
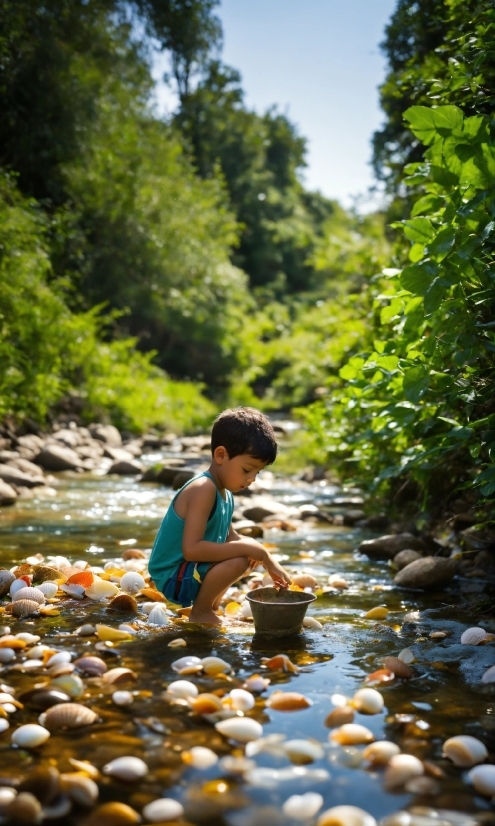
<point x="339" y="716"/>
<point x="152" y="594"/>
<point x="70" y="571"/>
<point x="280" y="662"/>
<point x="12" y="642"/>
<point x="383" y="675"/>
<point x="288" y="701"/>
<point x="84" y="578"/>
<point x="113" y="814"/>
<point x="399" y="668"/>
<point x="205" y="704"/>
<point x="183" y="612"/>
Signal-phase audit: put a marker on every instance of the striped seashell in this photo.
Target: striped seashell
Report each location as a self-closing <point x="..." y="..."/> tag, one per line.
<point x="92" y="666"/>
<point x="132" y="582"/>
<point x="125" y="603"/>
<point x="25" y="607"/>
<point x="48" y="589"/>
<point x="29" y="593"/>
<point x="42" y="573"/>
<point x="84" y="578"/>
<point x="158" y="616"/>
<point x="116" y="676"/>
<point x="67" y="715"/>
<point x="473" y="636"/>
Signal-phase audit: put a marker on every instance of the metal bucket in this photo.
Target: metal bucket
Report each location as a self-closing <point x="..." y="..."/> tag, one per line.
<point x="278" y="613"/>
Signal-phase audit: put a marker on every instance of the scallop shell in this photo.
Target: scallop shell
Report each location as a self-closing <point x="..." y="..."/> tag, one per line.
<point x="82" y="790"/>
<point x="17" y="585"/>
<point x="351" y="734"/>
<point x="133" y="553"/>
<point x="301" y="752"/>
<point x="67" y="715"/>
<point x="302" y="806"/>
<point x="74" y="591"/>
<point x="465" y="750"/>
<point x="280" y="662"/>
<point x="83" y="578"/>
<point x="24" y="809"/>
<point x="483" y="779"/>
<point x="240" y="700"/>
<point x="311" y="622"/>
<point x="42" y="573"/>
<point x="339" y="717"/>
<point x="116" y="676"/>
<point x="398" y="667"/>
<point x="162" y="810"/>
<point x="124" y="603"/>
<point x="130" y="769"/>
<point x="215" y="665"/>
<point x="30" y="736"/>
<point x="401" y="768"/>
<point x="242" y="729"/>
<point x="6" y="580"/>
<point x="379" y="753"/>
<point x="368" y="701"/>
<point x="92" y="666"/>
<point x="473" y="636"/>
<point x="288" y="701"/>
<point x="113" y="814"/>
<point x="101" y="589"/>
<point x="489" y="675"/>
<point x="200" y="757"/>
<point x="132" y="582"/>
<point x="48" y="589"/>
<point x="345" y="816"/>
<point x="304" y="581"/>
<point x="25" y="607"/>
<point x="182" y="689"/>
<point x="205" y="704"/>
<point x="158" y="616"/>
<point x="152" y="594"/>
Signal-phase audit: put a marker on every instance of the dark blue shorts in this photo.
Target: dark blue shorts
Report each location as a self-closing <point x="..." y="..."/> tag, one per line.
<point x="183" y="586"/>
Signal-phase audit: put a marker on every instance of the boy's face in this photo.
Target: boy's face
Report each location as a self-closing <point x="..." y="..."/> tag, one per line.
<point x="237" y="473"/>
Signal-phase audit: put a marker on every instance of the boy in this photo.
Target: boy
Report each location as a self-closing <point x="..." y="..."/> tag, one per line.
<point x="197" y="554"/>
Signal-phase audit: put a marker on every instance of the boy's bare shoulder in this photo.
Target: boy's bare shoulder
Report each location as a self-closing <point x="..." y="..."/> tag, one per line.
<point x="199" y="491"/>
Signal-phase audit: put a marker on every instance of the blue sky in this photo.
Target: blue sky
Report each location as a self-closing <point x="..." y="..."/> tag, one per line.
<point x="319" y="61"/>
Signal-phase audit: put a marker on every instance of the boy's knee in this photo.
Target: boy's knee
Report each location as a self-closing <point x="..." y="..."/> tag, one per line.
<point x="239" y="565"/>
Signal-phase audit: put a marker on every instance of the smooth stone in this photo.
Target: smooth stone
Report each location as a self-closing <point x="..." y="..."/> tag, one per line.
<point x="26" y="466"/>
<point x="248" y="528"/>
<point x="427" y="573"/>
<point x="117" y="454"/>
<point x="167" y="473"/>
<point x="127" y="467"/>
<point x="352" y="516"/>
<point x="31" y="442"/>
<point x="404" y="558"/>
<point x="58" y="457"/>
<point x="7" y="494"/>
<point x="70" y="438"/>
<point x="106" y="433"/>
<point x="13" y="476"/>
<point x="388" y="546"/>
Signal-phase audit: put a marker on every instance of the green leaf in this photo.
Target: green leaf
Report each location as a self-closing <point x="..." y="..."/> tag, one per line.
<point x="418" y="277"/>
<point x="419" y="230"/>
<point x="442" y="176"/>
<point x="430" y="124"/>
<point x="415" y="383"/>
<point x="428" y="203"/>
<point x="434" y="295"/>
<point x="442" y="243"/>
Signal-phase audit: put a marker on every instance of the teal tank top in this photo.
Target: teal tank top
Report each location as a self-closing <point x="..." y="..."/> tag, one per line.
<point x="167" y="554"/>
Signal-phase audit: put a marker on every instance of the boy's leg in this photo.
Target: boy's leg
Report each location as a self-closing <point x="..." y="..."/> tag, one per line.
<point x="215" y="583"/>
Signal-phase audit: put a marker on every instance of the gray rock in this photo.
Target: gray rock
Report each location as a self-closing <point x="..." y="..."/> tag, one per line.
<point x="7" y="455"/>
<point x="257" y="513"/>
<point x="106" y="433"/>
<point x="247" y="528"/>
<point x="427" y="573"/>
<point x="125" y="467"/>
<point x="26" y="466"/>
<point x="182" y="476"/>
<point x="167" y="473"/>
<point x="377" y="522"/>
<point x="348" y="501"/>
<point x="352" y="516"/>
<point x="14" y="476"/>
<point x="70" y="438"/>
<point x="387" y="547"/>
<point x="7" y="494"/>
<point x="405" y="557"/>
<point x="58" y="457"/>
<point x="117" y="454"/>
<point x="31" y="442"/>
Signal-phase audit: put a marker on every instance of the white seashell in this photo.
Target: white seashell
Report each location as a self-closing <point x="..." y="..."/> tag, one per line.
<point x="241" y="700"/>
<point x="465" y="750"/>
<point x="345" y="816"/>
<point x="200" y="757"/>
<point x="245" y="611"/>
<point x="310" y="622"/>
<point x="17" y="585"/>
<point x="6" y="797"/>
<point x="182" y="690"/>
<point x="147" y="607"/>
<point x="59" y="562"/>
<point x="122" y="698"/>
<point x="126" y="768"/>
<point x="28" y="638"/>
<point x="406" y="656"/>
<point x="85" y="630"/>
<point x="338" y="581"/>
<point x="215" y="665"/>
<point x="10" y="708"/>
<point x="236" y="765"/>
<point x="37" y="651"/>
<point x="187" y="665"/>
<point x="132" y="582"/>
<point x="30" y="736"/>
<point x="401" y="768"/>
<point x="127" y="628"/>
<point x="473" y="636"/>
<point x="49" y="589"/>
<point x="303" y="806"/>
<point x="303" y="751"/>
<point x="368" y="701"/>
<point x="6" y="655"/>
<point x="257" y="683"/>
<point x="163" y="809"/>
<point x="340" y="700"/>
<point x="158" y="616"/>
<point x="4" y="725"/>
<point x="351" y="734"/>
<point x="82" y="790"/>
<point x="489" y="675"/>
<point x="242" y="729"/>
<point x="483" y="779"/>
<point x="379" y="753"/>
<point x="33" y="594"/>
<point x="101" y="589"/>
<point x="177" y="643"/>
<point x="59" y="659"/>
<point x="75" y="591"/>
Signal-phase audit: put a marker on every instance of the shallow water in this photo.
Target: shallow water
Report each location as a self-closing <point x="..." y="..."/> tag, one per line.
<point x="96" y="518"/>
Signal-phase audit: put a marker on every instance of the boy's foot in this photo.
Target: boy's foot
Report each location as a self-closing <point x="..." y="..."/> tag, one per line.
<point x="204" y="617"/>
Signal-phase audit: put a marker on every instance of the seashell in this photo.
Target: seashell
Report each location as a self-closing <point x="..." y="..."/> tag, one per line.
<point x="129" y="769"/>
<point x="187" y="665"/>
<point x="200" y="757"/>
<point x="6" y="655"/>
<point x="67" y="715"/>
<point x="162" y="810"/>
<point x="473" y="636"/>
<point x="339" y="717"/>
<point x="158" y="616"/>
<point x="48" y="589"/>
<point x="302" y="806"/>
<point x="101" y="589"/>
<point x="116" y="676"/>
<point x="28" y="638"/>
<point x="177" y="643"/>
<point x="4" y="725"/>
<point x="152" y="594"/>
<point x="17" y="585"/>
<point x="301" y="752"/>
<point x="24" y="810"/>
<point x="304" y="581"/>
<point x="351" y="734"/>
<point x="379" y="753"/>
<point x="42" y="573"/>
<point x="240" y="700"/>
<point x="43" y="782"/>
<point x="288" y="701"/>
<point x="59" y="658"/>
<point x="401" y="768"/>
<point x="379" y="612"/>
<point x="92" y="666"/>
<point x="43" y="698"/>
<point x="205" y="704"/>
<point x="465" y="750"/>
<point x="109" y="634"/>
<point x="74" y="591"/>
<point x="124" y="603"/>
<point x="86" y="768"/>
<point x="236" y="765"/>
<point x="29" y="593"/>
<point x="483" y="779"/>
<point x="280" y="662"/>
<point x="345" y="816"/>
<point x="30" y="736"/>
<point x="122" y="698"/>
<point x="337" y="581"/>
<point x="406" y="656"/>
<point x="82" y="790"/>
<point x="438" y="635"/>
<point x="311" y="622"/>
<point x="368" y="701"/>
<point x="398" y="667"/>
<point x="113" y="814"/>
<point x="9" y="641"/>
<point x="25" y="607"/>
<point x="256" y="683"/>
<point x="242" y="729"/>
<point x="6" y="797"/>
<point x="182" y="689"/>
<point x="129" y="629"/>
<point x="246" y="612"/>
<point x="132" y="582"/>
<point x="214" y="665"/>
<point x="84" y="578"/>
<point x="70" y="683"/>
<point x="6" y="580"/>
<point x="489" y="675"/>
<point x="383" y="675"/>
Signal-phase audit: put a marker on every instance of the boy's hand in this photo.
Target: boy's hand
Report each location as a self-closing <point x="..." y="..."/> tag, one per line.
<point x="279" y="575"/>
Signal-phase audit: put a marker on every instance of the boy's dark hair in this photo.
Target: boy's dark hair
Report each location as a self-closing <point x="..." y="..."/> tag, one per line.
<point x="245" y="430"/>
